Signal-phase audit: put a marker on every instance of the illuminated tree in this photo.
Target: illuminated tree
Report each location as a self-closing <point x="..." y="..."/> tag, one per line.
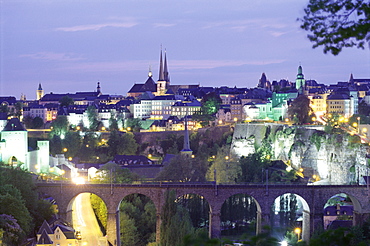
<point x="210" y="104"/>
<point x="92" y="115"/>
<point x="59" y="126"/>
<point x="337" y="24"/>
<point x="300" y="110"/>
<point x="225" y="167"/>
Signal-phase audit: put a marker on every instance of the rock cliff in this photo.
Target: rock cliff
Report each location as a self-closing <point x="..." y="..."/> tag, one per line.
<point x="336" y="158"/>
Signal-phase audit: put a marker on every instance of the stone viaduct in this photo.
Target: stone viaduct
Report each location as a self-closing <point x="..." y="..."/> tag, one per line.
<point x="314" y="199"/>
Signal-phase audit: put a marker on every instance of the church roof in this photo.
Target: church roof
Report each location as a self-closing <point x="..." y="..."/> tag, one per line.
<point x="45" y="226"/>
<point x="14" y="125"/>
<point x="44" y="238"/>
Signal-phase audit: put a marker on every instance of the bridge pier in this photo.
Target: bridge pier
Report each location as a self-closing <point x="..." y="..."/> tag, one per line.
<point x="214" y="225"/>
<point x="263" y="219"/>
<point x="317" y="222"/>
<point x="306" y="232"/>
<point x="158" y="228"/>
<point x="112" y="218"/>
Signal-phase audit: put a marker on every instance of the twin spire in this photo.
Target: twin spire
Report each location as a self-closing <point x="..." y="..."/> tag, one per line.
<point x="163" y="70"/>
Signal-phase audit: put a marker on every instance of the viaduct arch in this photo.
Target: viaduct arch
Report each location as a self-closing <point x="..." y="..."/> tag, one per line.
<point x="315" y="198"/>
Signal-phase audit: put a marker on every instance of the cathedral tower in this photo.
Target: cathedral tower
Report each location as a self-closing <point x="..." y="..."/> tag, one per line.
<point x="300" y="81"/>
<point x="164" y="79"/>
<point x="39" y="92"/>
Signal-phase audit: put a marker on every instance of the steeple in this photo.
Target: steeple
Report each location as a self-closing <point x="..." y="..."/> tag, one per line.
<point x="351" y="80"/>
<point x="98" y="88"/>
<point x="300" y="81"/>
<point x="186" y="149"/>
<point x="150" y="74"/>
<point x="39" y="92"/>
<point x="161" y="73"/>
<point x="165" y="70"/>
<point x="162" y="83"/>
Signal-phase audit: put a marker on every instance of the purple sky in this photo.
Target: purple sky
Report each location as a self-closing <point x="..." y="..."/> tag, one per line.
<point x="69" y="45"/>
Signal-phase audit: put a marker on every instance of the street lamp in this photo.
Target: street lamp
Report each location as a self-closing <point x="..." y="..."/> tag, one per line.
<point x="297" y="230"/>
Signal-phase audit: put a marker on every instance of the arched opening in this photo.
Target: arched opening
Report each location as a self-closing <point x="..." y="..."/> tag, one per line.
<point x="198" y="209"/>
<point x="239" y="216"/>
<point x="87" y="213"/>
<point x="290" y="218"/>
<point x="137" y="219"/>
<point x="338" y="212"/>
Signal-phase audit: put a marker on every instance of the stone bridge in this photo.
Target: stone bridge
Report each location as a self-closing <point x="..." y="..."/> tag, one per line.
<point x="313" y="199"/>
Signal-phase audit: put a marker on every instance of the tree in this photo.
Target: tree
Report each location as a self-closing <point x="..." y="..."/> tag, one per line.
<point x="210" y="105"/>
<point x="225" y="167"/>
<point x="197" y="207"/>
<point x="141" y="211"/>
<point x="66" y="101"/>
<point x="100" y="210"/>
<point x="129" y="236"/>
<point x="10" y="231"/>
<point x="72" y="141"/>
<point x="133" y="123"/>
<point x="124" y="144"/>
<point x="92" y="115"/>
<point x="176" y="221"/>
<point x="27" y="121"/>
<point x="113" y="173"/>
<point x="37" y="123"/>
<point x="337" y="24"/>
<point x="18" y="198"/>
<point x="183" y="168"/>
<point x="59" y="126"/>
<point x="300" y="110"/>
<point x="113" y="124"/>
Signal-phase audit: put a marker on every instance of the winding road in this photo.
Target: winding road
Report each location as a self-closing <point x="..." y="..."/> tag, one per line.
<point x="84" y="220"/>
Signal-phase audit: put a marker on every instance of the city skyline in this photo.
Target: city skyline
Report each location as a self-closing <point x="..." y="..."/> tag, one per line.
<point x="69" y="46"/>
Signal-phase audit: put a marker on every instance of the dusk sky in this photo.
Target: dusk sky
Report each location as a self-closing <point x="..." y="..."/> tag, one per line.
<point x="69" y="46"/>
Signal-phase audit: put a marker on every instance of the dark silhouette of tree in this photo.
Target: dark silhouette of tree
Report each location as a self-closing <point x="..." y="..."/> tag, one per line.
<point x="37" y="122"/>
<point x="183" y="168"/>
<point x="176" y="221"/>
<point x="140" y="210"/>
<point x="300" y="110"/>
<point x="66" y="101"/>
<point x="337" y="24"/>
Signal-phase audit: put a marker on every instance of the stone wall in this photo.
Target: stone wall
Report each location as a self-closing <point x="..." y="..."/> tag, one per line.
<point x="332" y="158"/>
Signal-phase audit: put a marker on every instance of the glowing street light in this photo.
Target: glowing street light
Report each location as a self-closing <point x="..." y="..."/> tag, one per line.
<point x="65" y="150"/>
<point x="284" y="243"/>
<point x="297" y="230"/>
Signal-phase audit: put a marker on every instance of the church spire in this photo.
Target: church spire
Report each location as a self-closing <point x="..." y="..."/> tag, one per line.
<point x="165" y="69"/>
<point x="300" y="81"/>
<point x="150" y="74"/>
<point x="351" y="80"/>
<point x="98" y="88"/>
<point x="161" y="73"/>
<point x="39" y="92"/>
